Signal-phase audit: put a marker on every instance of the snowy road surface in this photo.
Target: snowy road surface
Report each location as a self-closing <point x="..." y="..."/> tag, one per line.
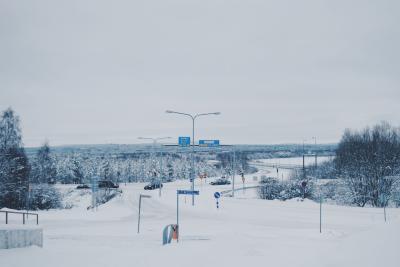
<point x="283" y="174"/>
<point x="245" y="231"/>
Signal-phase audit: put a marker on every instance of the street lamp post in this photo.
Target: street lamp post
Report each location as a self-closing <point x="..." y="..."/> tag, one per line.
<point x="154" y="150"/>
<point x="193" y="117"/>
<point x="304" y="166"/>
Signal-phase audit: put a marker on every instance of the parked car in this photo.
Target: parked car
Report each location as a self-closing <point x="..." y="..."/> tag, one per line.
<point x="168" y="179"/>
<point x="153" y="186"/>
<point x="83" y="186"/>
<point x="221" y="181"/>
<point x="107" y="184"/>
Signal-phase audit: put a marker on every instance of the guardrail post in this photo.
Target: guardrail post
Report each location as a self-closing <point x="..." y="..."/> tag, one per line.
<point x="6" y="217"/>
<point x="37" y="219"/>
<point x="23" y="218"/>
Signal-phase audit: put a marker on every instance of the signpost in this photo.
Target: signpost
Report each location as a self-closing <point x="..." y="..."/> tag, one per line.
<point x="243" y="179"/>
<point x="184" y="141"/>
<point x="382" y="199"/>
<point x="209" y="143"/>
<point x="140" y="205"/>
<point x="182" y="192"/>
<point x="303" y="186"/>
<point x="217" y="195"/>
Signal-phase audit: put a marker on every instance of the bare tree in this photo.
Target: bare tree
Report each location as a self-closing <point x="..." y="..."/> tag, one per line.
<point x="365" y="159"/>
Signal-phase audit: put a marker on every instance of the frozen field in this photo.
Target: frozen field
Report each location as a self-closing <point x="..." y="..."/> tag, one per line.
<point x="245" y="231"/>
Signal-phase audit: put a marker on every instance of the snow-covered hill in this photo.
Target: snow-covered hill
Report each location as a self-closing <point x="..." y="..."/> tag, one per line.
<point x="245" y="231"/>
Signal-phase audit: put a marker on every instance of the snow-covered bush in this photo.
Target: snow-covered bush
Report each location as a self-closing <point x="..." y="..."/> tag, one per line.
<point x="295" y="189"/>
<point x="395" y="192"/>
<point x="44" y="196"/>
<point x="271" y="189"/>
<point x="103" y="196"/>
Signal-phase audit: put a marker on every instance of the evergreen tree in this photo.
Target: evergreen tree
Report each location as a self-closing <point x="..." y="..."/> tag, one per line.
<point x="44" y="169"/>
<point x="14" y="166"/>
<point x="77" y="172"/>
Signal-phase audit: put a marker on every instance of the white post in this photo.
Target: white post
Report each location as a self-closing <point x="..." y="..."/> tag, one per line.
<point x="192" y="172"/>
<point x="320" y="212"/>
<point x="233" y="172"/>
<point x="140" y="205"/>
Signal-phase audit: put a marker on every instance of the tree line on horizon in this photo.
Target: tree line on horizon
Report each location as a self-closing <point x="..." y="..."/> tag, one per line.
<point x="366" y="169"/>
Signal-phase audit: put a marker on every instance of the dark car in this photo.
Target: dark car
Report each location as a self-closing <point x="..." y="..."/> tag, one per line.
<point x="83" y="186"/>
<point x="221" y="181"/>
<point x="153" y="186"/>
<point x="107" y="184"/>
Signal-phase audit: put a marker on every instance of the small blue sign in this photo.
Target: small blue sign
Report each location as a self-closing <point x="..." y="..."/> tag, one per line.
<point x="217" y="195"/>
<point x="209" y="143"/>
<point x="187" y="192"/>
<point x="184" y="141"/>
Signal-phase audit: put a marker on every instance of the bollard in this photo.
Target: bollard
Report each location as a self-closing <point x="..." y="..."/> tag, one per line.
<point x="170" y="232"/>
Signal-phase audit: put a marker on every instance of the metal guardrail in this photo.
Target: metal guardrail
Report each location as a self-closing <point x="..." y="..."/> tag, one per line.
<point x="281" y="165"/>
<point x="223" y="193"/>
<point x="23" y="215"/>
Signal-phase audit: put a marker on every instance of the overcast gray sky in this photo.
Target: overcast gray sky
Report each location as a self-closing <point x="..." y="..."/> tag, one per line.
<point x="279" y="71"/>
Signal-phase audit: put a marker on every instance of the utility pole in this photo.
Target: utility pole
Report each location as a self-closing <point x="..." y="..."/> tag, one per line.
<point x="315" y="139"/>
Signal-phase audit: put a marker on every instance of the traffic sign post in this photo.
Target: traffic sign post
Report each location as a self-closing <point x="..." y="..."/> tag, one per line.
<point x="303" y="186"/>
<point x="217" y="195"/>
<point x="182" y="192"/>
<point x="243" y="180"/>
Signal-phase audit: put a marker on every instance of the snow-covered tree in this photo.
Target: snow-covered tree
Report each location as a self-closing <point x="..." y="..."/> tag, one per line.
<point x="14" y="166"/>
<point x="43" y="195"/>
<point x="43" y="166"/>
<point x="366" y="159"/>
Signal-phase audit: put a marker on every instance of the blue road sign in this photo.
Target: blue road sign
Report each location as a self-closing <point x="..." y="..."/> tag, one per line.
<point x="209" y="143"/>
<point x="184" y="141"/>
<point x="187" y="192"/>
<point x="217" y="194"/>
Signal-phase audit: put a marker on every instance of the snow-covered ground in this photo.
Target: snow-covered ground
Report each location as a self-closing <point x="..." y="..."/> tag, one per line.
<point x="245" y="231"/>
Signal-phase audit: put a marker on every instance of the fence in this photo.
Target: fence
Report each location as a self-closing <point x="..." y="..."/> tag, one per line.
<point x="23" y="215"/>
